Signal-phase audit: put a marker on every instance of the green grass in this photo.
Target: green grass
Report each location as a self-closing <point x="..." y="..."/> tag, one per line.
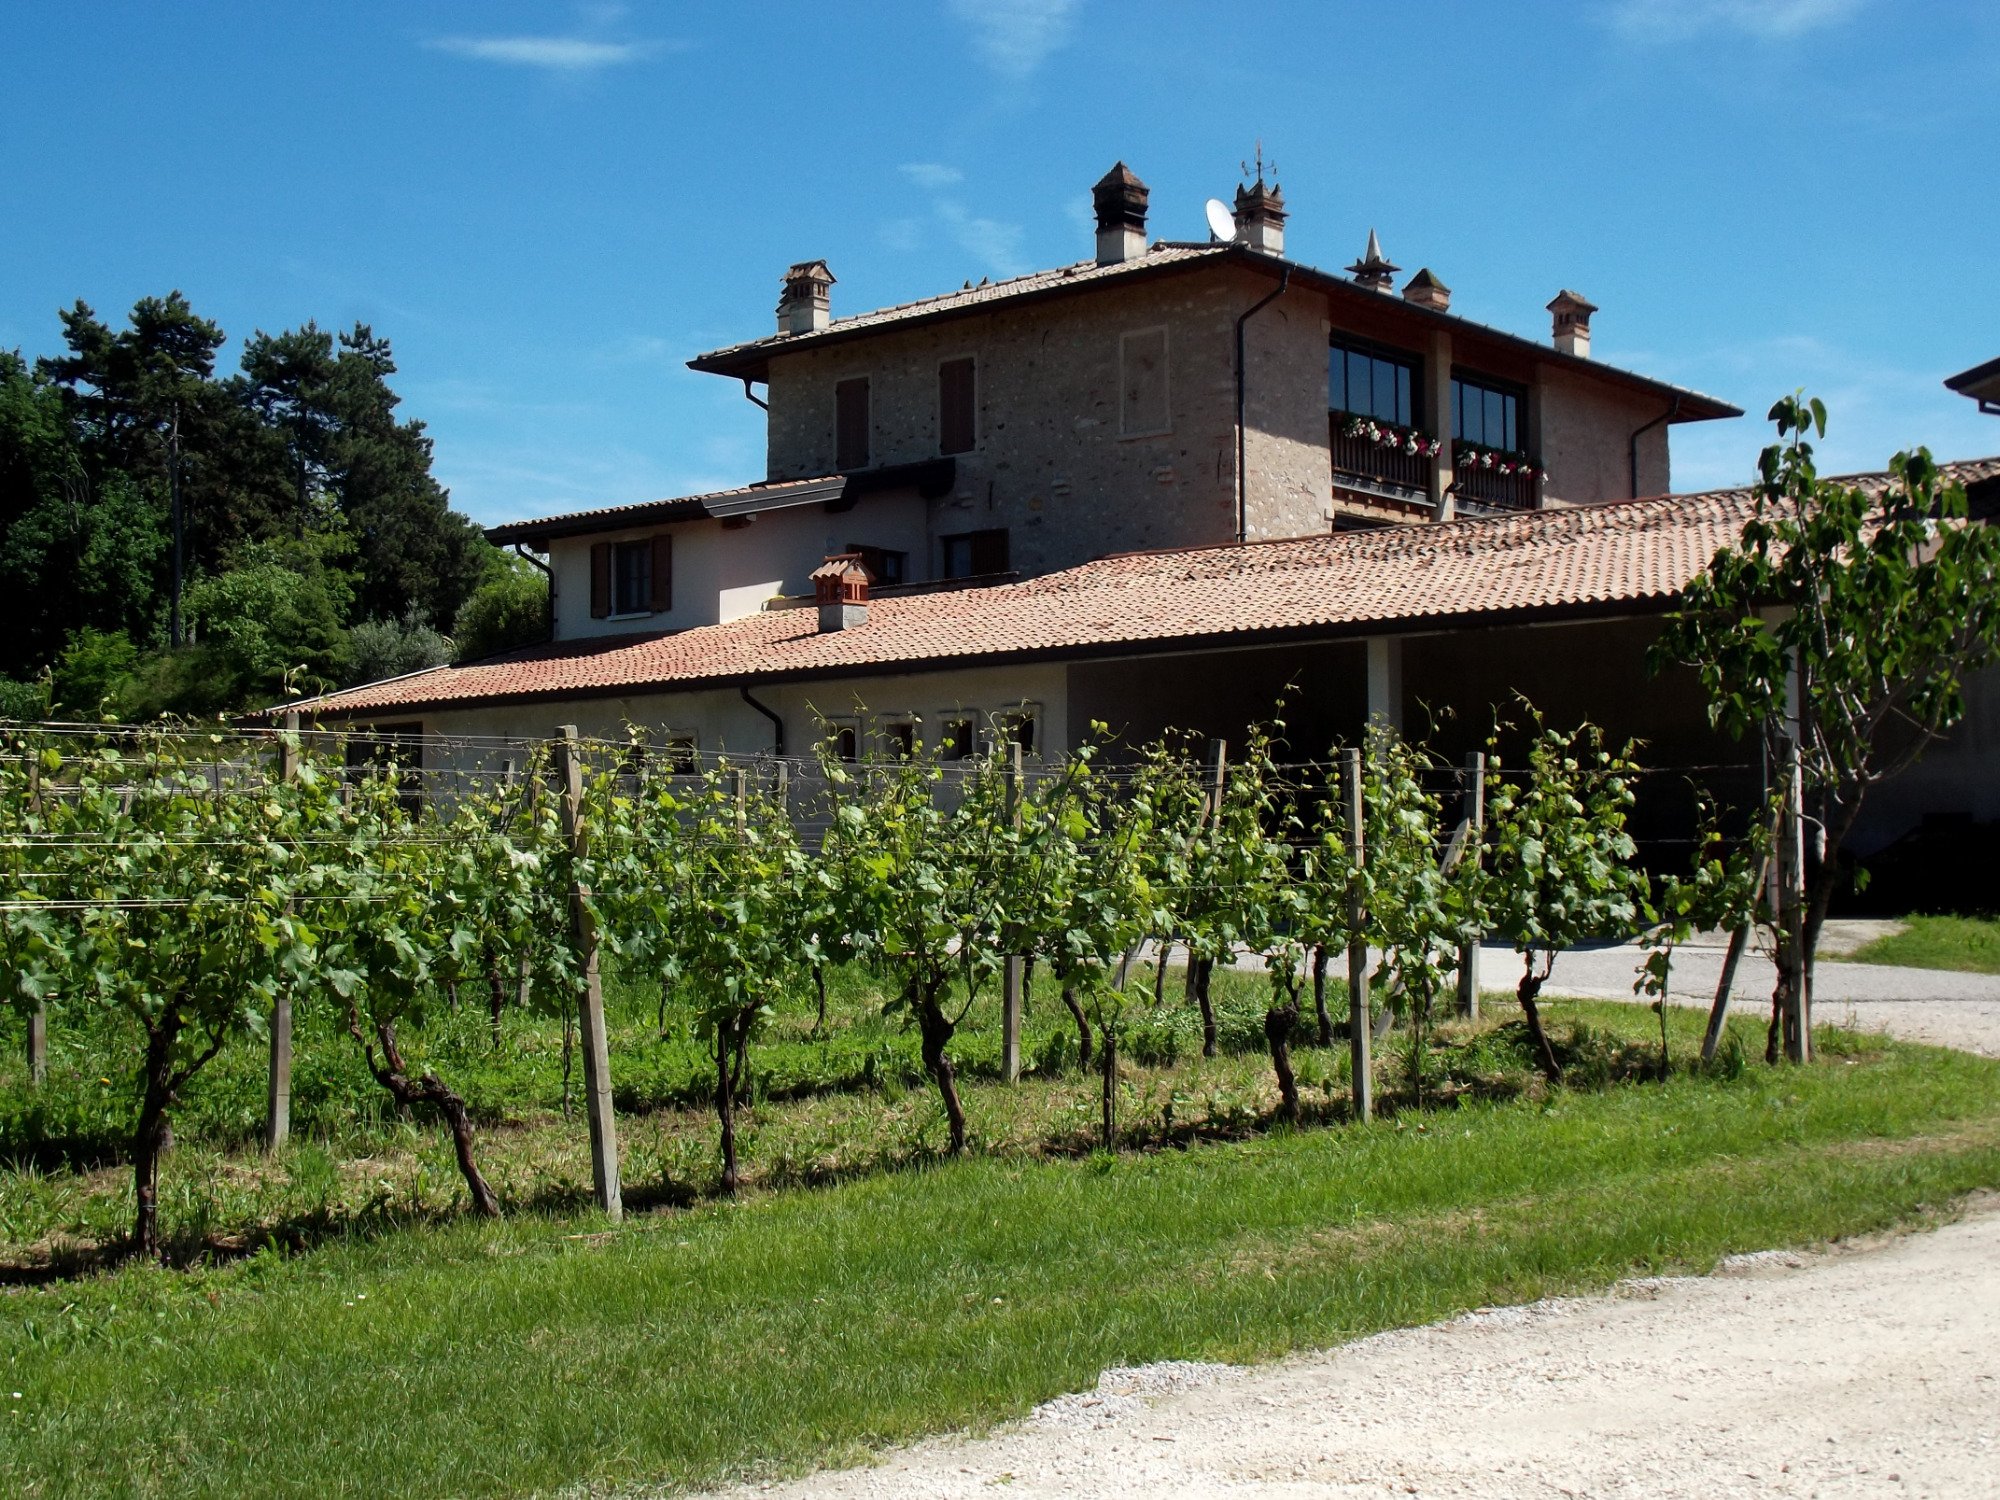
<point x="545" y="1354"/>
<point x="1968" y="944"/>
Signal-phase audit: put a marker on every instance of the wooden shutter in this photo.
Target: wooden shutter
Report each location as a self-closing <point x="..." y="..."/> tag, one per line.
<point x="957" y="425"/>
<point x="600" y="580"/>
<point x="989" y="552"/>
<point x="663" y="574"/>
<point x="850" y="424"/>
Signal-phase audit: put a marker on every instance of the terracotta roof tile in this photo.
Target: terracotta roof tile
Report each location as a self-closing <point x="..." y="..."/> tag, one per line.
<point x="1628" y="552"/>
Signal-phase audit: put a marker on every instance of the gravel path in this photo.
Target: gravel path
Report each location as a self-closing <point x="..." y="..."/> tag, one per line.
<point x="1870" y="1370"/>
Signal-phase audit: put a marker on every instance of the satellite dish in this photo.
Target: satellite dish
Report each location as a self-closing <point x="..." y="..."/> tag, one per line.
<point x="1221" y="223"/>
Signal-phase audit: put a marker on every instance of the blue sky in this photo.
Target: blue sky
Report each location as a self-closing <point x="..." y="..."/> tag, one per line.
<point x="549" y="207"/>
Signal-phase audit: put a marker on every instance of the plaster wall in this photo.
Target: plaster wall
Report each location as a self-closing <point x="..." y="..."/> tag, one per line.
<point x="725" y="574"/>
<point x="1585" y="435"/>
<point x="722" y="723"/>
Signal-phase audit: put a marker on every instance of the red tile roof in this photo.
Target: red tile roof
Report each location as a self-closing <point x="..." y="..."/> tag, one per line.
<point x="644" y="512"/>
<point x="1576" y="560"/>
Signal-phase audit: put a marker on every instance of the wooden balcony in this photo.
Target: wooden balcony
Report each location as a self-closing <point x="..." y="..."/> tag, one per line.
<point x="1375" y="468"/>
<point x="1477" y="488"/>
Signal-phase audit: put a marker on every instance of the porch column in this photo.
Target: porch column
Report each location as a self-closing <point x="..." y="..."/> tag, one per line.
<point x="1385" y="681"/>
<point x="1437" y="417"/>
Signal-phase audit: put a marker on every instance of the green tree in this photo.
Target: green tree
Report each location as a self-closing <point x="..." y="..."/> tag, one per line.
<point x="1845" y="621"/>
<point x="508" y="610"/>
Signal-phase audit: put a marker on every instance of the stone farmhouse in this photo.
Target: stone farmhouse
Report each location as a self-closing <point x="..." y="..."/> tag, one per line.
<point x="1160" y="487"/>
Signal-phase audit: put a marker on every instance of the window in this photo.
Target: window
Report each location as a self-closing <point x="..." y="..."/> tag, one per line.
<point x="900" y="739"/>
<point x="1372" y="382"/>
<point x="974" y="554"/>
<point x="883" y="565"/>
<point x="850" y="424"/>
<point x="957" y="408"/>
<point x="631" y="578"/>
<point x="959" y="739"/>
<point x="846" y="738"/>
<point x="681" y="754"/>
<point x="1487" y="414"/>
<point x="1017" y="727"/>
<point x="1142" y="383"/>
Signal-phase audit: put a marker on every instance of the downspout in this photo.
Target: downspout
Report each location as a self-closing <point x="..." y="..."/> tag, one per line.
<point x="777" y="724"/>
<point x="1242" y="445"/>
<point x="1638" y="432"/>
<point x="751" y="396"/>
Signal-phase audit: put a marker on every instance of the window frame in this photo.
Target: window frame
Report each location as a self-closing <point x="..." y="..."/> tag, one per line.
<point x="1389" y="354"/>
<point x="971" y="443"/>
<point x="843" y="458"/>
<point x="870" y="555"/>
<point x="947" y="744"/>
<point x="1462" y="376"/>
<point x="970" y="539"/>
<point x="1006" y="723"/>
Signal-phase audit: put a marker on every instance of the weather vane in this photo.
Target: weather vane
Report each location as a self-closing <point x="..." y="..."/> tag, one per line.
<point x="1261" y="164"/>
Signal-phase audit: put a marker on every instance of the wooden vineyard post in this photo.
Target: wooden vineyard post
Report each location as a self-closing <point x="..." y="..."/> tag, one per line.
<point x="1474" y="826"/>
<point x="278" y="1090"/>
<point x="1013" y="968"/>
<point x="1211" y="806"/>
<point x="38" y="1018"/>
<point x="596" y="1048"/>
<point x="1358" y="1039"/>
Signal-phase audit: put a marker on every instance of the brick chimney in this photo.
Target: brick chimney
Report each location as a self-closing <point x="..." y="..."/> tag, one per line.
<point x="1572" y="323"/>
<point x="1120" y="199"/>
<point x="1374" y="270"/>
<point x="805" y="305"/>
<point x="1260" y="217"/>
<point x="840" y="588"/>
<point x="1425" y="290"/>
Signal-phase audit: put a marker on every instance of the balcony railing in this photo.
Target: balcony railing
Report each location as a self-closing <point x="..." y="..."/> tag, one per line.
<point x="1509" y="483"/>
<point x="1367" y="463"/>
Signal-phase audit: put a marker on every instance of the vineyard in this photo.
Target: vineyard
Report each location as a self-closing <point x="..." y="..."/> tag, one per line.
<point x="288" y="940"/>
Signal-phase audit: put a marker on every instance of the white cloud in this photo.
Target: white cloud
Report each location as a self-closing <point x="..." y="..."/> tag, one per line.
<point x="994" y="243"/>
<point x="553" y="54"/>
<point x="1765" y="20"/>
<point x="1016" y="36"/>
<point x="901" y="235"/>
<point x="931" y="175"/>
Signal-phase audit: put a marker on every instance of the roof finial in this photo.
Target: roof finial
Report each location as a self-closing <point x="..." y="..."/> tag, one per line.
<point x="1259" y="164"/>
<point x="1374" y="269"/>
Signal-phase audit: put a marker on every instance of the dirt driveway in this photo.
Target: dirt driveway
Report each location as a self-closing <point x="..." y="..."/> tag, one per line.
<point x="1873" y="1370"/>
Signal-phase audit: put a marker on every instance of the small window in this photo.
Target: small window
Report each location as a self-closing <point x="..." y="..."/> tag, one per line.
<point x="975" y="554"/>
<point x="632" y="578"/>
<point x="1017" y="726"/>
<point x="958" y="429"/>
<point x="958" y="740"/>
<point x="846" y="742"/>
<point x="1486" y="413"/>
<point x="850" y="424"/>
<point x="681" y="754"/>
<point x="900" y="740"/>
<point x="883" y="565"/>
<point x="1372" y="382"/>
<point x="1142" y="383"/>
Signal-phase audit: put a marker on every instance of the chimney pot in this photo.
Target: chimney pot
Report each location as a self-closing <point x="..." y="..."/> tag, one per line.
<point x="1571" y="332"/>
<point x="840" y="589"/>
<point x="805" y="305"/>
<point x="1120" y="199"/>
<point x="1260" y="217"/>
<point x="1425" y="290"/>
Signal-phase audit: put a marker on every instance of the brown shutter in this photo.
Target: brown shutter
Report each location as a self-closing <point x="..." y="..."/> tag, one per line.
<point x="989" y="552"/>
<point x="956" y="425"/>
<point x="600" y="580"/>
<point x="663" y="574"/>
<point x="850" y="422"/>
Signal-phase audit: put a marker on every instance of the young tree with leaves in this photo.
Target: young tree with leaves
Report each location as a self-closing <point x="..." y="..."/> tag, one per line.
<point x="1844" y="621"/>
